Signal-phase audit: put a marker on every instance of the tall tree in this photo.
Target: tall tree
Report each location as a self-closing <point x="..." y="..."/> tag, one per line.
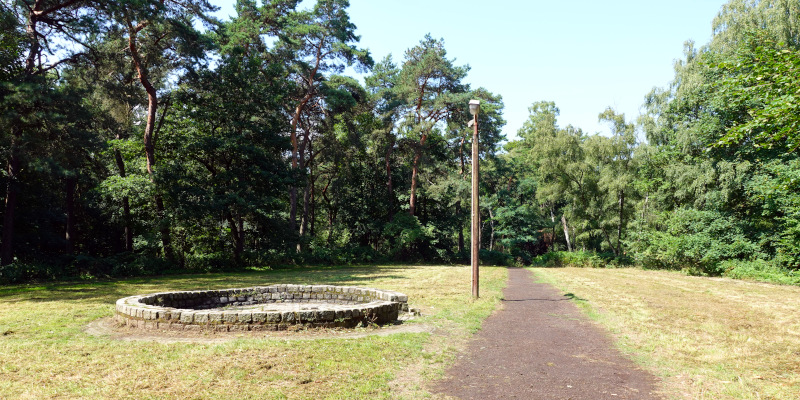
<point x="619" y="172"/>
<point x="431" y="88"/>
<point x="780" y="19"/>
<point x="46" y="24"/>
<point x="381" y="84"/>
<point x="160" y="36"/>
<point x="323" y="41"/>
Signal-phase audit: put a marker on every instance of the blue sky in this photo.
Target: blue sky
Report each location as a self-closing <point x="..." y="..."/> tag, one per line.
<point x="584" y="55"/>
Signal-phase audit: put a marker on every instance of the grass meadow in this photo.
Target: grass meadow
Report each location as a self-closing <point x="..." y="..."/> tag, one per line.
<point x="705" y="338"/>
<point x="46" y="353"/>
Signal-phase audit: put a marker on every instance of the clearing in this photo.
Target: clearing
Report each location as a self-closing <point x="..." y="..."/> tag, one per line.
<point x="703" y="338"/>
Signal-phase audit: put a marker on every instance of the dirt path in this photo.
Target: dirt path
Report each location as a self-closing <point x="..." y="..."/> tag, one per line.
<point x="540" y="346"/>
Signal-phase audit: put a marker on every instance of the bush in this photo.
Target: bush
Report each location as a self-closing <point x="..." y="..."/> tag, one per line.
<point x="693" y="241"/>
<point x="25" y="272"/>
<point x="760" y="270"/>
<point x="557" y="259"/>
<point x="493" y="257"/>
<point x="207" y="262"/>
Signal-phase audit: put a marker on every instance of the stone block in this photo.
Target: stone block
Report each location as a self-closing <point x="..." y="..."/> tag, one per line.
<point x="259" y="317"/>
<point x="288" y="317"/>
<point x="187" y="317"/>
<point x="230" y="317"/>
<point x="306" y="316"/>
<point x="214" y="317"/>
<point x="201" y="318"/>
<point x="245" y="317"/>
<point x="326" y="315"/>
<point x="273" y="317"/>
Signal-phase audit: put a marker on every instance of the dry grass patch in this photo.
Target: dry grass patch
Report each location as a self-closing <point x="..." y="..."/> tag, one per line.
<point x="708" y="338"/>
<point x="45" y="353"/>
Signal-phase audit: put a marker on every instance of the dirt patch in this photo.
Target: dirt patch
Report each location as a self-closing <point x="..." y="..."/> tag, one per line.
<point x="540" y="346"/>
<point x="110" y="328"/>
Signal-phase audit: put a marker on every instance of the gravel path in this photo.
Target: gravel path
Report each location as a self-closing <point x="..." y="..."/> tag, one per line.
<point x="541" y="346"/>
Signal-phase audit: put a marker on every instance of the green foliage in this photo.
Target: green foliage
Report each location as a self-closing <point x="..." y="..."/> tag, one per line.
<point x="581" y="259"/>
<point x="494" y="257"/>
<point x="762" y="81"/>
<point x="777" y="187"/>
<point x="266" y="154"/>
<point x="717" y="182"/>
<point x="26" y="272"/>
<point x="760" y="270"/>
<point x="692" y="240"/>
<point x="403" y="232"/>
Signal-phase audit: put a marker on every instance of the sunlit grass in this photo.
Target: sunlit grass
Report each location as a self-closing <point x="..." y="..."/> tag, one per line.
<point x="708" y="338"/>
<point x="45" y="353"/>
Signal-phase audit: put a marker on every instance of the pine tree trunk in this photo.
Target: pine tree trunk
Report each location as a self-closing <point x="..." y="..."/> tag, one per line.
<point x="126" y="206"/>
<point x="297" y="157"/>
<point x="313" y="206"/>
<point x="412" y="202"/>
<point x="304" y="217"/>
<point x="240" y="244"/>
<point x="70" y="211"/>
<point x="389" y="184"/>
<point x="460" y="229"/>
<point x="149" y="143"/>
<point x="12" y="192"/>
<point x="237" y="237"/>
<point x="301" y="165"/>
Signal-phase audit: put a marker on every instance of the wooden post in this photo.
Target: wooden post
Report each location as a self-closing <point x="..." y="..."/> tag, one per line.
<point x="476" y="217"/>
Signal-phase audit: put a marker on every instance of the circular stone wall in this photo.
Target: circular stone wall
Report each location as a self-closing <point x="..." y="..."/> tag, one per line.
<point x="274" y="307"/>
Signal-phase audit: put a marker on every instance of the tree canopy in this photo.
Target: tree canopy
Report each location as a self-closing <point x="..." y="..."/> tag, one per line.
<point x="147" y="136"/>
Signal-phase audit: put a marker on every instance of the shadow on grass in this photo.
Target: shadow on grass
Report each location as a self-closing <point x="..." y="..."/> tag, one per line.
<point x="567" y="297"/>
<point x="571" y="296"/>
<point x="110" y="291"/>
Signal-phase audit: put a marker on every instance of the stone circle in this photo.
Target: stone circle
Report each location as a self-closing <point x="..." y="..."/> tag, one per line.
<point x="275" y="307"/>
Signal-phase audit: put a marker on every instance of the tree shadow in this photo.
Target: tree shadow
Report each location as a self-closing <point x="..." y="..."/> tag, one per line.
<point x="112" y="290"/>
<point x="572" y="296"/>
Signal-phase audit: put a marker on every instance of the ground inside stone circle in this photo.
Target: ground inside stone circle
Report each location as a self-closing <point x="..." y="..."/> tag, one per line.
<point x="539" y="345"/>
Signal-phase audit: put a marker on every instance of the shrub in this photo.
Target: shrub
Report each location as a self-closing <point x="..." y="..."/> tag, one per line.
<point x="494" y="257"/>
<point x="760" y="270"/>
<point x="556" y="259"/>
<point x="692" y="240"/>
